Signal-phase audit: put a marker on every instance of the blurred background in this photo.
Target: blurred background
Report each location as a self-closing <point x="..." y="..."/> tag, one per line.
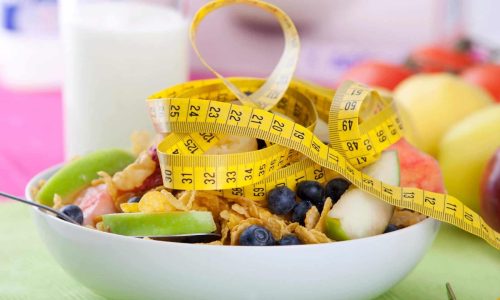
<point x="334" y="34"/>
<point x="74" y="73"/>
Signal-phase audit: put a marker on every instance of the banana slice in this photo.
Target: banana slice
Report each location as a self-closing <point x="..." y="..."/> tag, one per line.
<point x="321" y="131"/>
<point x="237" y="144"/>
<point x="233" y="144"/>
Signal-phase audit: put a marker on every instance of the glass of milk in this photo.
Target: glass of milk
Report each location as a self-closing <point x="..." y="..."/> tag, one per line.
<point x="116" y="54"/>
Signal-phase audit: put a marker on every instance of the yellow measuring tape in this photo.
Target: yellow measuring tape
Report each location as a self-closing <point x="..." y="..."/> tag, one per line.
<point x="283" y="111"/>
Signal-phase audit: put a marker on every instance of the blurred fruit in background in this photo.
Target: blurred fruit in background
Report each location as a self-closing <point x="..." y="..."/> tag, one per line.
<point x="490" y="192"/>
<point x="465" y="150"/>
<point x="429" y="104"/>
<point x="377" y="74"/>
<point x="453" y="117"/>
<point x="486" y="76"/>
<point x="438" y="58"/>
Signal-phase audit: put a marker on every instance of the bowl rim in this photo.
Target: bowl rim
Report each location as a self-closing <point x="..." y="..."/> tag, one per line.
<point x="44" y="175"/>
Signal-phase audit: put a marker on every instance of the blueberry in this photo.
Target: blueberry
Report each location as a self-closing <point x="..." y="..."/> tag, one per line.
<point x="261" y="144"/>
<point x="320" y="205"/>
<point x="256" y="235"/>
<point x="289" y="239"/>
<point x="74" y="212"/>
<point x="134" y="199"/>
<point x="391" y="228"/>
<point x="311" y="191"/>
<point x="300" y="210"/>
<point x="335" y="188"/>
<point x="281" y="200"/>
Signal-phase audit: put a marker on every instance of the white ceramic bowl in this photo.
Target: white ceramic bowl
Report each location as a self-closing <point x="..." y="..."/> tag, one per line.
<point x="122" y="267"/>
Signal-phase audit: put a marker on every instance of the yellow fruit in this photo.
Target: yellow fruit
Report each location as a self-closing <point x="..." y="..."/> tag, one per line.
<point x="429" y="104"/>
<point x="465" y="150"/>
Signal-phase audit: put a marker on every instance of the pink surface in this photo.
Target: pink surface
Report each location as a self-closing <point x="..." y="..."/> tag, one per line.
<point x="30" y="136"/>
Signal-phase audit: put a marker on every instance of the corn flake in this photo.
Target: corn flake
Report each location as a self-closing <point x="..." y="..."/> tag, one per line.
<point x="154" y="201"/>
<point x="312" y="217"/>
<point x="405" y="217"/>
<point x="276" y="226"/>
<point x="320" y="225"/>
<point x="232" y="218"/>
<point x="240" y="209"/>
<point x="134" y="174"/>
<point x="224" y="232"/>
<point x="320" y="236"/>
<point x="305" y="236"/>
<point x="291" y="227"/>
<point x="129" y="207"/>
<point x="210" y="202"/>
<point x="311" y="236"/>
<point x="252" y="208"/>
<point x="173" y="201"/>
<point x="224" y="215"/>
<point x="188" y="198"/>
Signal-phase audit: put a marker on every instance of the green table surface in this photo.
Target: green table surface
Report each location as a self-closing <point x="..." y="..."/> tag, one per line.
<point x="27" y="270"/>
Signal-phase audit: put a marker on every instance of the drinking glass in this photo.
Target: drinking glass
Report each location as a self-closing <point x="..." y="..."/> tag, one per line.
<point x="116" y="54"/>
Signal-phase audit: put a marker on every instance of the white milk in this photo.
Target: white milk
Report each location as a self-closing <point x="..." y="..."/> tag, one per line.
<point x="116" y="55"/>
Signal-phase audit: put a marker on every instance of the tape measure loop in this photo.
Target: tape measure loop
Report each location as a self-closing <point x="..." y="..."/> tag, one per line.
<point x="197" y="115"/>
<point x="273" y="89"/>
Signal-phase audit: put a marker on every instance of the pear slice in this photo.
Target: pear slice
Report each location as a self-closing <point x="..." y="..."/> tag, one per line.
<point x="159" y="224"/>
<point x="77" y="174"/>
<point x="358" y="214"/>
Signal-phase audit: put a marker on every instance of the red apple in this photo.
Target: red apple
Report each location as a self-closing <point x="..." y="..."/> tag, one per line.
<point x="486" y="76"/>
<point x="418" y="169"/>
<point x="490" y="192"/>
<point x="377" y="74"/>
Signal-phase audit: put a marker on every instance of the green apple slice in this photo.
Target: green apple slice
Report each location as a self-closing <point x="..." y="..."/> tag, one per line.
<point x="77" y="174"/>
<point x="358" y="214"/>
<point x="159" y="224"/>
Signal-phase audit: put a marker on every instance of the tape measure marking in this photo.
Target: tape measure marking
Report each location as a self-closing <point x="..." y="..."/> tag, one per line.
<point x="361" y="125"/>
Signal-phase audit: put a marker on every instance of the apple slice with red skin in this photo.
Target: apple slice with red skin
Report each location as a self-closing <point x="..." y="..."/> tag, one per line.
<point x="414" y="169"/>
<point x="418" y="169"/>
<point x="359" y="214"/>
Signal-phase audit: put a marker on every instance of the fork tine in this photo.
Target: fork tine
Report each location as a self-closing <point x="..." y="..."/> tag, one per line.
<point x="451" y="293"/>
